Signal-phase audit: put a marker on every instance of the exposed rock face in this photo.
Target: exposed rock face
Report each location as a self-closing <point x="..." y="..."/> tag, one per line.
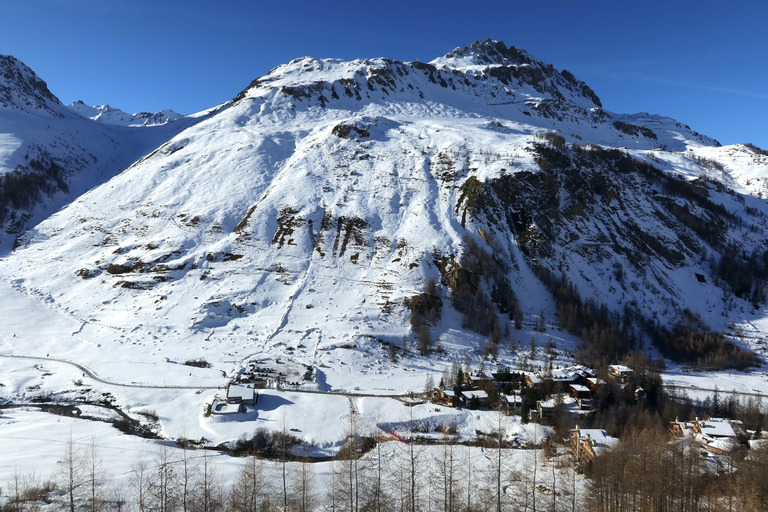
<point x="21" y="88"/>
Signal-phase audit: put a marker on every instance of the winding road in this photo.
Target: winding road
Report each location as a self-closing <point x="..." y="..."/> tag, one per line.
<point x="90" y="373"/>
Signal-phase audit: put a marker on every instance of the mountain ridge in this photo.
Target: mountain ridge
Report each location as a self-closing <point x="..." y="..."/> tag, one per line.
<point x="20" y="88"/>
<point x="114" y="116"/>
<point x="309" y="212"/>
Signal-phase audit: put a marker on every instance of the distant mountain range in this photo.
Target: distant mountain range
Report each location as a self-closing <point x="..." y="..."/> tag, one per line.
<point x="334" y="202"/>
<point x="108" y="115"/>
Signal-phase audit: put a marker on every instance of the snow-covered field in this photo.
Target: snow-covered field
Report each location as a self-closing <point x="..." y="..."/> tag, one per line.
<point x="118" y="458"/>
<point x="143" y="381"/>
<point x="138" y="382"/>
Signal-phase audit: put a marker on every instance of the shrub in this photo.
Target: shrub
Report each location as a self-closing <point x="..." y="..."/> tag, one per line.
<point x="117" y="269"/>
<point x="555" y="139"/>
<point x="635" y="130"/>
<point x="150" y="415"/>
<point x="756" y="149"/>
<point x="266" y="443"/>
<point x="346" y="131"/>
<point x="198" y="363"/>
<point x="426" y="307"/>
<point x="692" y="342"/>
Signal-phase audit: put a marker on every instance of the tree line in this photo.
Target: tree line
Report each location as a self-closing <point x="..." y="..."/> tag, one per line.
<point x="396" y="476"/>
<point x="24" y="187"/>
<point x="648" y="472"/>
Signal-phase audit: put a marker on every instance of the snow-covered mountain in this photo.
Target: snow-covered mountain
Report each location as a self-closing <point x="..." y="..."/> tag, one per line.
<point x="49" y="155"/>
<point x="312" y="210"/>
<point x="109" y="115"/>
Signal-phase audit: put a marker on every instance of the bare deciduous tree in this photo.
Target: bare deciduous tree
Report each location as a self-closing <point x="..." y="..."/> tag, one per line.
<point x="207" y="490"/>
<point x="250" y="492"/>
<point x="139" y="483"/>
<point x="447" y="463"/>
<point x="163" y="488"/>
<point x="95" y="478"/>
<point x="72" y="471"/>
<point x="303" y="487"/>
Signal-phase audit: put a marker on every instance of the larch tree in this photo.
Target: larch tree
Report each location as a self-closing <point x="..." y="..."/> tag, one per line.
<point x="72" y="471"/>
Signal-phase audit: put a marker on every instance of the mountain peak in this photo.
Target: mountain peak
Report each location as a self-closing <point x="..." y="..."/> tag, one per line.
<point x="21" y="88"/>
<point x="506" y="63"/>
<point x="485" y="53"/>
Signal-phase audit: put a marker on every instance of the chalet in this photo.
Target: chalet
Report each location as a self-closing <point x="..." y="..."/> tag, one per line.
<point x="680" y="429"/>
<point x="620" y="372"/>
<point x="718" y="428"/>
<point x="717" y="446"/>
<point x="511" y="403"/>
<point x="594" y="383"/>
<point x="560" y="377"/>
<point x="445" y="397"/>
<point x="533" y="380"/>
<point x="472" y="394"/>
<point x="546" y="410"/>
<point x="716" y="435"/>
<point x="479" y="379"/>
<point x="241" y="394"/>
<point x="576" y="374"/>
<point x="582" y="394"/>
<point x="588" y="443"/>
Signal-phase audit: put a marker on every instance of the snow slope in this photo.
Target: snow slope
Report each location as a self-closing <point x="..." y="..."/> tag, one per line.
<point x="49" y="155"/>
<point x="295" y="221"/>
<point x="323" y="194"/>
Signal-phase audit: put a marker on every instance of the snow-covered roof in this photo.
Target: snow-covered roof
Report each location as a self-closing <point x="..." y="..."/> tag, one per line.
<point x="475" y="393"/>
<point x="685" y="427"/>
<point x="619" y="368"/>
<point x="533" y="378"/>
<point x="716" y="427"/>
<point x="512" y="399"/>
<point x="717" y="444"/>
<point x="598" y="438"/>
<point x="224" y="408"/>
<point x="593" y="433"/>
<point x="240" y="391"/>
<point x="579" y="388"/>
<point x="582" y="370"/>
<point x="570" y="373"/>
<point x="564" y="374"/>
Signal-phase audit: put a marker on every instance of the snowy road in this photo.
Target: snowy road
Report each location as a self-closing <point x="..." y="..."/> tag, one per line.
<point x="90" y="373"/>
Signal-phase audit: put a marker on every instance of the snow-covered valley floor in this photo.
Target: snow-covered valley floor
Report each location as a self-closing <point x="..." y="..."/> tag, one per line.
<point x="48" y="356"/>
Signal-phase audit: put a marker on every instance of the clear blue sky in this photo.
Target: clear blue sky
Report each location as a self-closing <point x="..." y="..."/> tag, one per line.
<point x="704" y="62"/>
